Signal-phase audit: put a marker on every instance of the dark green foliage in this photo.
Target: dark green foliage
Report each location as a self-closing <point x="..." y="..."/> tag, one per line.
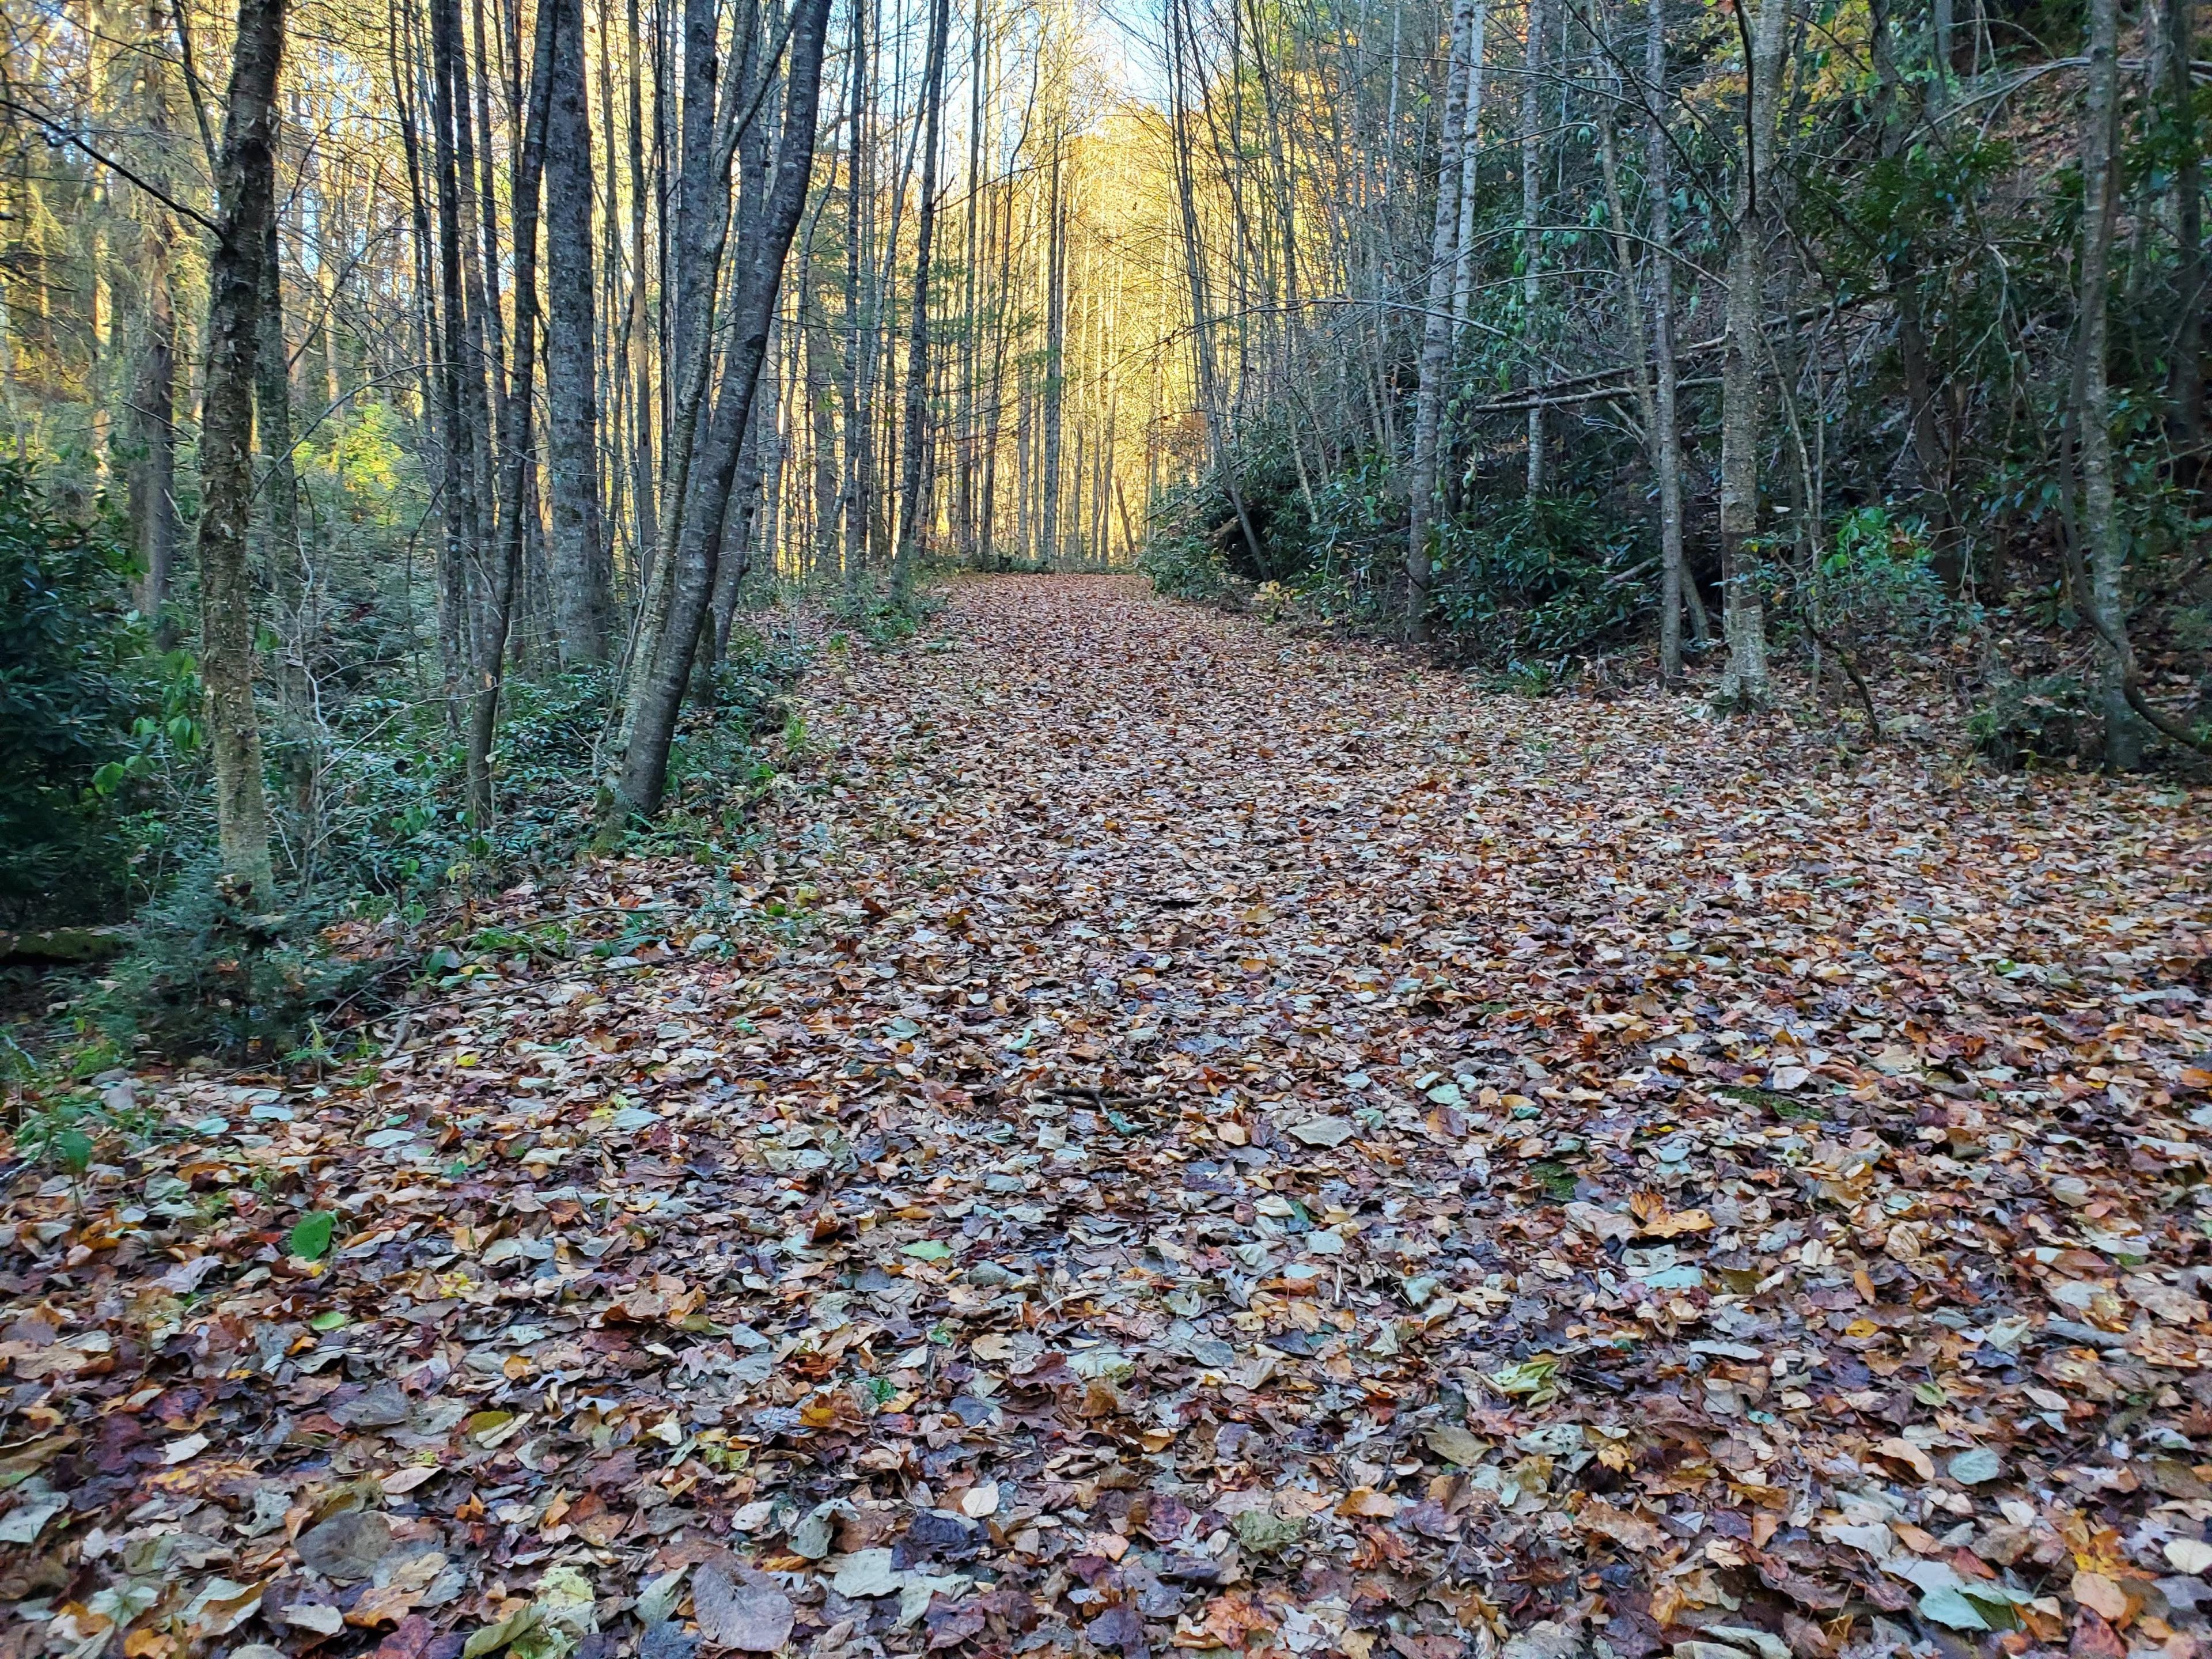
<point x="1184" y="563"/>
<point x="1531" y="584"/>
<point x="393" y="821"/>
<point x="206" y="979"/>
<point x="2049" y="720"/>
<point x="1878" y="580"/>
<point x="1523" y="587"/>
<point x="883" y="619"/>
<point x="73" y="682"/>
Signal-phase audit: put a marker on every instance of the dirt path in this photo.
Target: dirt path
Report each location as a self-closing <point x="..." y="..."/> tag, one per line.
<point x="1197" y="1137"/>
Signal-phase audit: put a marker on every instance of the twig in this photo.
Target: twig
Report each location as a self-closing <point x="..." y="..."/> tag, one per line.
<point x="1850" y="670"/>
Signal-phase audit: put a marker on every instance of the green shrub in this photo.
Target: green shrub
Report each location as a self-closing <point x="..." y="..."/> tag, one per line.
<point x="75" y="680"/>
<point x="1879" y="579"/>
<point x="2024" y="722"/>
<point x="1529" y="584"/>
<point x="204" y="978"/>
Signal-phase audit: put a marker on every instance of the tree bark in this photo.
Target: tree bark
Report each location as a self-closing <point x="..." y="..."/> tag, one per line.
<point x="860" y="336"/>
<point x="582" y="573"/>
<point x="1049" y="413"/>
<point x="1631" y="305"/>
<point x="1667" y="435"/>
<point x="2101" y="531"/>
<point x="518" y="464"/>
<point x="297" y="759"/>
<point x="914" y="480"/>
<point x="1532" y="240"/>
<point x="1470" y="148"/>
<point x="1437" y="330"/>
<point x="245" y="188"/>
<point x="2185" y="380"/>
<point x="153" y="474"/>
<point x="1743" y="621"/>
<point x="663" y="663"/>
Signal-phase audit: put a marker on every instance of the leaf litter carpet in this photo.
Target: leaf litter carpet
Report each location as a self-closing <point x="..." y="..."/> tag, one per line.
<point x="1200" y="1139"/>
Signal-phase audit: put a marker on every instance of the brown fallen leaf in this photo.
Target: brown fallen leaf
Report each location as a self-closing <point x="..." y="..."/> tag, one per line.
<point x="740" y="1607"/>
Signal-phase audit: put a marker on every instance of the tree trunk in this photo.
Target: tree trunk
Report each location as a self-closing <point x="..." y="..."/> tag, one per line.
<point x="245" y="185"/>
<point x="663" y="662"/>
<point x="1470" y="149"/>
<point x="297" y="759"/>
<point x="583" y="577"/>
<point x="518" y="466"/>
<point x="1743" y="619"/>
<point x="914" y="480"/>
<point x="743" y="518"/>
<point x="153" y="475"/>
<point x="1532" y="240"/>
<point x="1631" y="305"/>
<point x="1436" y="331"/>
<point x="1666" y="435"/>
<point x="2185" y="380"/>
<point x="1049" y="413"/>
<point x="859" y="337"/>
<point x="2101" y="531"/>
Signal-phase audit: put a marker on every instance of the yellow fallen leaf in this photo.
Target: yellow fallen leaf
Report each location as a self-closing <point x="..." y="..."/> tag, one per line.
<point x="1904" y="1451"/>
<point x="1366" y="1501"/>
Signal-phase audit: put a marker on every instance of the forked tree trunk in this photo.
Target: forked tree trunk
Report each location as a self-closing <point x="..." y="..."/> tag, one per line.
<point x="245" y="188"/>
<point x="495" y="606"/>
<point x="662" y="665"/>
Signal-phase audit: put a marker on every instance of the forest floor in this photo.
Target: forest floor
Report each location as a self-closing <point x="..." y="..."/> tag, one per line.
<point x="1195" y="1138"/>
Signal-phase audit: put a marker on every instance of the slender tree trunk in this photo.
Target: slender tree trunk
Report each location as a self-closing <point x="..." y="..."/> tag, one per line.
<point x="2185" y="380"/>
<point x="297" y="756"/>
<point x="153" y="475"/>
<point x="460" y="365"/>
<point x="859" y="341"/>
<point x="1049" y="412"/>
<point x="663" y="663"/>
<point x="1632" y="306"/>
<point x="1180" y="45"/>
<point x="582" y="586"/>
<point x="1743" y="619"/>
<point x="1532" y="239"/>
<point x="2101" y="531"/>
<point x="743" y="518"/>
<point x="913" y="482"/>
<point x="1436" y="330"/>
<point x="1666" y="435"/>
<point x="1470" y="149"/>
<point x="245" y="191"/>
<point x="641" y="336"/>
<point x="518" y="468"/>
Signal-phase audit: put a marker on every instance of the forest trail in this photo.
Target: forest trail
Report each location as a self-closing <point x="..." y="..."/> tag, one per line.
<point x="1196" y="1137"/>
